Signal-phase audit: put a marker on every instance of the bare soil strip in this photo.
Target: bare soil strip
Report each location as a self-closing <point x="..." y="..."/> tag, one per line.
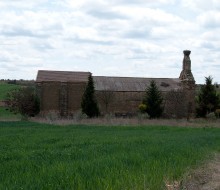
<point x="112" y="121"/>
<point x="205" y="178"/>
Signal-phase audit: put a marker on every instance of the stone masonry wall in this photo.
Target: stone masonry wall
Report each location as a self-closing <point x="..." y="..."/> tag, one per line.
<point x="75" y="93"/>
<point x="64" y="98"/>
<point x="120" y="103"/>
<point x="49" y="96"/>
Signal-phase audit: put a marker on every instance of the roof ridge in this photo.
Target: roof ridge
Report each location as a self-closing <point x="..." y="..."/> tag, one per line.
<point x="134" y="77"/>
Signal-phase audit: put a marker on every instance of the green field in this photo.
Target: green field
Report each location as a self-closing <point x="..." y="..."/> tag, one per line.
<point x="41" y="156"/>
<point x="7" y="115"/>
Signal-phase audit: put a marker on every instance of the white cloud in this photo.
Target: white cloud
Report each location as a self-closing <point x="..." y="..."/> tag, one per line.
<point x="201" y="5"/>
<point x="125" y="38"/>
<point x="210" y="19"/>
<point x="21" y="3"/>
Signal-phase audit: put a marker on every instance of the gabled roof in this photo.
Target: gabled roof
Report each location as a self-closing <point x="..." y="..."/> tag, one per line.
<point x="62" y="76"/>
<point x="134" y="84"/>
<point x="104" y="83"/>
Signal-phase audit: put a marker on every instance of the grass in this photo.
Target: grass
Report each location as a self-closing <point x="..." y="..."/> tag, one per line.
<point x="7" y="115"/>
<point x="43" y="156"/>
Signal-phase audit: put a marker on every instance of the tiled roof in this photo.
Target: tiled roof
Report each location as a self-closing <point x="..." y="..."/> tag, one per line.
<point x="62" y="76"/>
<point x="134" y="84"/>
<point x="109" y="83"/>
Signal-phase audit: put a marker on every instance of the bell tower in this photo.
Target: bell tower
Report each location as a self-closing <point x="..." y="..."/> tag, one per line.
<point x="188" y="84"/>
<point x="186" y="73"/>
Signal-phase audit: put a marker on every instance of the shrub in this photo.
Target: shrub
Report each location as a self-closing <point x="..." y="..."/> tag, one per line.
<point x="142" y="116"/>
<point x="78" y="116"/>
<point x="52" y="116"/>
<point x="142" y="108"/>
<point x="211" y="115"/>
<point x="24" y="101"/>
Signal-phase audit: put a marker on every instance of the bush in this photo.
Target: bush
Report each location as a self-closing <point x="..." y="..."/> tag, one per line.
<point x="143" y="116"/>
<point x="24" y="101"/>
<point x="142" y="108"/>
<point x="78" y="116"/>
<point x="211" y="115"/>
<point x="52" y="116"/>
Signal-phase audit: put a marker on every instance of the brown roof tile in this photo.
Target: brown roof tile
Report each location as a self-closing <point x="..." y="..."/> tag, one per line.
<point x="109" y="83"/>
<point x="62" y="76"/>
<point x="134" y="84"/>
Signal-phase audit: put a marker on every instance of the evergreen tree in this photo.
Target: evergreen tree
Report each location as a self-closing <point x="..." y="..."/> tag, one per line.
<point x="153" y="100"/>
<point x="208" y="99"/>
<point x="89" y="105"/>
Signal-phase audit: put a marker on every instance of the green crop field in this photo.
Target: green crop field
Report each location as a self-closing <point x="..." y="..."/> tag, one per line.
<point x="7" y="115"/>
<point x="42" y="156"/>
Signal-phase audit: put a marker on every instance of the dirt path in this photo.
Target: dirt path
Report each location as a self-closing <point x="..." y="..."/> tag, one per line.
<point x="205" y="178"/>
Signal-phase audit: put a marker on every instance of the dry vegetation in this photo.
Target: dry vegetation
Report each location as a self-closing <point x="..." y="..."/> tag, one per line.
<point x="112" y="121"/>
<point x="206" y="177"/>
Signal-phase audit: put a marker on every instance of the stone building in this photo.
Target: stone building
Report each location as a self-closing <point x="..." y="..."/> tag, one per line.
<point x="61" y="92"/>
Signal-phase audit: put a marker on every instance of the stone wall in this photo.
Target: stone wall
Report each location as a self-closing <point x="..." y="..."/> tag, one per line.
<point x="120" y="102"/>
<point x="75" y="93"/>
<point x="189" y="89"/>
<point x="64" y="98"/>
<point x="49" y="96"/>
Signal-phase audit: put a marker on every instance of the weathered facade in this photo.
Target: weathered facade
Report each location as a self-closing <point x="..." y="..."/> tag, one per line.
<point x="61" y="92"/>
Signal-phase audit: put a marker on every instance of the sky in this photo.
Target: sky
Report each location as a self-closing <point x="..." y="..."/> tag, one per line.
<point x="129" y="38"/>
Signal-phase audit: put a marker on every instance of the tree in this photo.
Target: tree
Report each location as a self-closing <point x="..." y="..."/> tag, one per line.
<point x="153" y="100"/>
<point x="24" y="101"/>
<point x="208" y="98"/>
<point x="89" y="104"/>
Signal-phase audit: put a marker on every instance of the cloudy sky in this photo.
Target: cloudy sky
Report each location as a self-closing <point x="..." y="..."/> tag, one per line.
<point x="137" y="38"/>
